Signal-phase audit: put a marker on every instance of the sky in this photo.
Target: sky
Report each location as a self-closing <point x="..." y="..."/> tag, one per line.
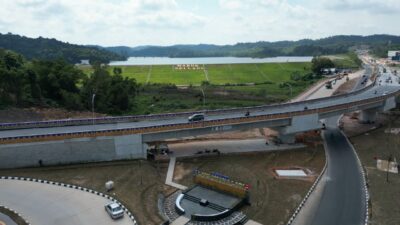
<point x="168" y="22"/>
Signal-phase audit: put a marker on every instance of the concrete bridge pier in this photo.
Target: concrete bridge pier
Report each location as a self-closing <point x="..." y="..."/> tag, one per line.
<point x="367" y="116"/>
<point x="298" y="124"/>
<point x="287" y="138"/>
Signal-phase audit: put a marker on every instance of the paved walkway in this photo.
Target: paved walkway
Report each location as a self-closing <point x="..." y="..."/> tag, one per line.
<point x="180" y="221"/>
<point x="45" y="204"/>
<point x="170" y="175"/>
<point x="252" y="222"/>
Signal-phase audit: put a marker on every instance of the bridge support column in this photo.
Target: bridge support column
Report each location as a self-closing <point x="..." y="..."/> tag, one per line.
<point x="298" y="124"/>
<point x="287" y="138"/>
<point x="390" y="103"/>
<point x="367" y="116"/>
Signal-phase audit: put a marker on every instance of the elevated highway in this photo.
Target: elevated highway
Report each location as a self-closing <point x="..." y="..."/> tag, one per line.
<point x="127" y="136"/>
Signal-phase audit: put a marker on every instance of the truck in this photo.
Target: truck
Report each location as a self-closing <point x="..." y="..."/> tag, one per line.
<point x="328" y="85"/>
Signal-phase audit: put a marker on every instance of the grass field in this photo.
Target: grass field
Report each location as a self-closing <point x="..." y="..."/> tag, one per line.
<point x="385" y="204"/>
<point x="217" y="74"/>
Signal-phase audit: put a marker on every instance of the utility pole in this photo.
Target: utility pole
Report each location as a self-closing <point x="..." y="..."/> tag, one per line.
<point x="388" y="166"/>
<point x="93" y="97"/>
<point x="204" y="98"/>
<point x="291" y="90"/>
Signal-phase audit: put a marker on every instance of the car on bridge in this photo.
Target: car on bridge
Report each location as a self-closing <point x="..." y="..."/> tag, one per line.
<point x="196" y="117"/>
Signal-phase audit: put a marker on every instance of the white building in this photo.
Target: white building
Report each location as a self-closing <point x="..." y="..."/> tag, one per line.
<point x="84" y="62"/>
<point x="392" y="54"/>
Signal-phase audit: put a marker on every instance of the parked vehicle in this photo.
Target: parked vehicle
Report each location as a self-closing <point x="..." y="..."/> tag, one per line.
<point x="114" y="210"/>
<point x="196" y="117"/>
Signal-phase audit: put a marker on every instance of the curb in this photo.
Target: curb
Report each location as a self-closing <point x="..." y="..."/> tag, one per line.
<point x="310" y="191"/>
<point x="18" y="214"/>
<point x="130" y="215"/>
<point x="364" y="181"/>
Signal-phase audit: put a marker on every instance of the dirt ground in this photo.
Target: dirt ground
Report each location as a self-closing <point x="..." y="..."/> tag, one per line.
<point x="137" y="183"/>
<point x="39" y="114"/>
<point x="272" y="200"/>
<point x="385" y="203"/>
<point x="346" y="87"/>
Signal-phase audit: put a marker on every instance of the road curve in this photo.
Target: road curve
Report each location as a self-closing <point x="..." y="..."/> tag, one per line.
<point x="45" y="204"/>
<point x="343" y="199"/>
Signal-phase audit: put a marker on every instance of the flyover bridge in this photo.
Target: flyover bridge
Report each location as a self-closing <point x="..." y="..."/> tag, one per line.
<point x="126" y="137"/>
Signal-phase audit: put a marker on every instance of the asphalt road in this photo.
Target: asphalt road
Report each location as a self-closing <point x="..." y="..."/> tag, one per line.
<point x="6" y="220"/>
<point x="339" y="197"/>
<point x="343" y="198"/>
<point x="44" y="204"/>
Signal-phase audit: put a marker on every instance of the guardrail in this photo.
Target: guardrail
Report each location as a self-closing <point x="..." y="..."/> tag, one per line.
<point x="135" y="118"/>
<point x="187" y="125"/>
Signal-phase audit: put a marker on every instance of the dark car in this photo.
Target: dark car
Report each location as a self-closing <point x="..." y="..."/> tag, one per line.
<point x="196" y="117"/>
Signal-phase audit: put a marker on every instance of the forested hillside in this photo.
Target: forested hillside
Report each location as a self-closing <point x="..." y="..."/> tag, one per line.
<point x="56" y="83"/>
<point x="306" y="47"/>
<point x="44" y="48"/>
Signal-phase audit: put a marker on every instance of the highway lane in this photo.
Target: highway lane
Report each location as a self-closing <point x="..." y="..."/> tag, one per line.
<point x="339" y="198"/>
<point x="343" y="198"/>
<point x="375" y="91"/>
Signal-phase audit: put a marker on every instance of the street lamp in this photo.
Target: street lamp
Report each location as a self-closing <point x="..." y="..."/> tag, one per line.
<point x="291" y="90"/>
<point x="204" y="98"/>
<point x="93" y="97"/>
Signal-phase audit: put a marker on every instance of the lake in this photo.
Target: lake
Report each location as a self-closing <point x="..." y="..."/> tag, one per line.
<point x="207" y="60"/>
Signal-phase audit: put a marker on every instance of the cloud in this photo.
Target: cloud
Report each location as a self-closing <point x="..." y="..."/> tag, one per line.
<point x="164" y="22"/>
<point x="371" y="6"/>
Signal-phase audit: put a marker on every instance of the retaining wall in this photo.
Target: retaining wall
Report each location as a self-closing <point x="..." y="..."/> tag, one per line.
<point x="71" y="151"/>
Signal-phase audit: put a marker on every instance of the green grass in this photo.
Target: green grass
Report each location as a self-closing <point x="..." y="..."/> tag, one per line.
<point x="217" y="74"/>
<point x="167" y="74"/>
<point x="344" y="60"/>
<point x="249" y="85"/>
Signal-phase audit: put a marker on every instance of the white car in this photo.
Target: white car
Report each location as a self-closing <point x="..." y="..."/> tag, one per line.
<point x="114" y="210"/>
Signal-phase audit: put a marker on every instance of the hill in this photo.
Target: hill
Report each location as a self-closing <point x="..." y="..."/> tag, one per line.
<point x="44" y="48"/>
<point x="306" y="47"/>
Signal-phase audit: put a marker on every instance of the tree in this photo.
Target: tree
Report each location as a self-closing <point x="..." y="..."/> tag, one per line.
<point x="114" y="94"/>
<point x="117" y="71"/>
<point x="57" y="78"/>
<point x="319" y="63"/>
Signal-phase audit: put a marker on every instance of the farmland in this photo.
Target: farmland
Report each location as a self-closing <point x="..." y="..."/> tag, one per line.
<point x="219" y="74"/>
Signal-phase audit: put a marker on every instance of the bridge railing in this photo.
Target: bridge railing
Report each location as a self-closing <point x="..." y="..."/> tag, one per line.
<point x="187" y="125"/>
<point x="135" y="118"/>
